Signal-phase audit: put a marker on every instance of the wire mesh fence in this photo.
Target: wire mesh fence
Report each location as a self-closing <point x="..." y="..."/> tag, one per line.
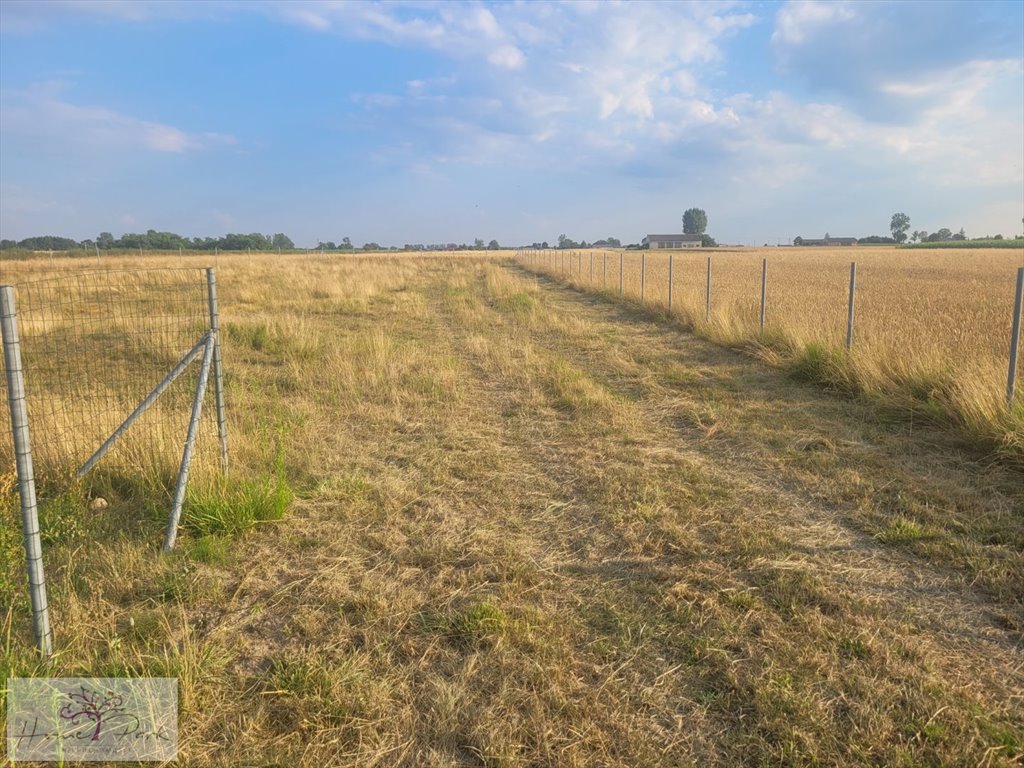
<point x="911" y="319"/>
<point x="99" y="368"/>
<point x="93" y="346"/>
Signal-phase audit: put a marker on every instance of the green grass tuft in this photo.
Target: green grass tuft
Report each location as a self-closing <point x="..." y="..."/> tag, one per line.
<point x="232" y="506"/>
<point x="480" y="621"/>
<point x="821" y="364"/>
<point x="517" y="303"/>
<point x="211" y="549"/>
<point x="902" y="530"/>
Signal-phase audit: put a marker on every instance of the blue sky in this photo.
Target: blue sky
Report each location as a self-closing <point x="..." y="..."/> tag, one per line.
<point x="441" y="121"/>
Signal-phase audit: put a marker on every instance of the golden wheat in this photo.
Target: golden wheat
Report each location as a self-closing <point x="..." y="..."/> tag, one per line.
<point x="931" y="329"/>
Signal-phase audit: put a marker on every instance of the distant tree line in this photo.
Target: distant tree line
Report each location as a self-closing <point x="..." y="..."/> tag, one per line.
<point x="942" y="235"/>
<point x="478" y="245"/>
<point x="44" y="243"/>
<point x="568" y="242"/>
<point x="154" y="241"/>
<point x="169" y="241"/>
<point x="899" y="226"/>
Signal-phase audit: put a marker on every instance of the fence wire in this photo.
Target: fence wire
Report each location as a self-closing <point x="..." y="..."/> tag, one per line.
<point x="912" y="319"/>
<point x="93" y="346"/>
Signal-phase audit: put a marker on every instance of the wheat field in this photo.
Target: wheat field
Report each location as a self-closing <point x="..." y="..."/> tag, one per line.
<point x="931" y="331"/>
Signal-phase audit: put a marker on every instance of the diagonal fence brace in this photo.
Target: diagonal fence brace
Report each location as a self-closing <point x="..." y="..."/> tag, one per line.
<point x="190" y="441"/>
<point x="142" y="407"/>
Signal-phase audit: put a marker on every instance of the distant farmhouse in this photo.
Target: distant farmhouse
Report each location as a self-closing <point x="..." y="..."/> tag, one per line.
<point x="825" y="241"/>
<point x="671" y="241"/>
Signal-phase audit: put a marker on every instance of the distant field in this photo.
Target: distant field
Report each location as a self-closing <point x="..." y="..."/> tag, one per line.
<point x="478" y="518"/>
<point x="931" y="332"/>
<point x="969" y="244"/>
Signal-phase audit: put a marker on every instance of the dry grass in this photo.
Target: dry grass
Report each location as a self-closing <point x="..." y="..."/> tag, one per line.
<point x="532" y="527"/>
<point x="931" y="334"/>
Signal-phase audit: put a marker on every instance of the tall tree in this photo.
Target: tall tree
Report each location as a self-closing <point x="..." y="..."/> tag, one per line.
<point x="899" y="225"/>
<point x="282" y="242"/>
<point x="695" y="221"/>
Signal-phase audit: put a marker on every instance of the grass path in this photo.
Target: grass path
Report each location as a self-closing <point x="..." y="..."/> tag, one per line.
<point x="538" y="527"/>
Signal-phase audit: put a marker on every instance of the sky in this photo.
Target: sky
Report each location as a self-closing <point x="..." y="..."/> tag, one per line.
<point x="426" y="122"/>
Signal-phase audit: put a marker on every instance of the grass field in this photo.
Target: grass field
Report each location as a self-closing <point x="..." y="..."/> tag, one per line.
<point x="479" y="518"/>
<point x="931" y="331"/>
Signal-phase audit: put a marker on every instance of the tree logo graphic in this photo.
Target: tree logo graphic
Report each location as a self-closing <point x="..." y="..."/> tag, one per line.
<point x="92" y="706"/>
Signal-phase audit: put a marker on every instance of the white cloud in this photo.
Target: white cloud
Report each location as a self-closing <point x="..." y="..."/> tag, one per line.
<point x="607" y="85"/>
<point x="957" y="142"/>
<point x="306" y="17"/>
<point x="955" y="87"/>
<point x="484" y="21"/>
<point x="28" y="16"/>
<point x="41" y="111"/>
<point x="799" y="20"/>
<point x="507" y="57"/>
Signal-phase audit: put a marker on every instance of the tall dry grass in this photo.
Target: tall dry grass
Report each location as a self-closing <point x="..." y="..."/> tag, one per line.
<point x="931" y="330"/>
<point x="98" y="334"/>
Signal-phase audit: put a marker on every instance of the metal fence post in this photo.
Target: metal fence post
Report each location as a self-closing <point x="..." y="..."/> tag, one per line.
<point x="643" y="275"/>
<point x="849" y="317"/>
<point x="670" y="261"/>
<point x="190" y="442"/>
<point x="707" y="295"/>
<point x="26" y="475"/>
<point x="764" y="289"/>
<point x="1011" y="379"/>
<point x="218" y="368"/>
